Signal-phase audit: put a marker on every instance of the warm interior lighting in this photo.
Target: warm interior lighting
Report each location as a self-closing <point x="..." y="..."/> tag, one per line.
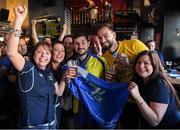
<point x="1" y="39"/>
<point x="146" y="3"/>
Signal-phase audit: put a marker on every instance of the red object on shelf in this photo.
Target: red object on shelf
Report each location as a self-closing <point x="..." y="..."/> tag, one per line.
<point x="119" y="5"/>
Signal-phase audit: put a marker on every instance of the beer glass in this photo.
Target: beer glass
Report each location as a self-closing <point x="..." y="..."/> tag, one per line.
<point x="72" y="68"/>
<point x="168" y="64"/>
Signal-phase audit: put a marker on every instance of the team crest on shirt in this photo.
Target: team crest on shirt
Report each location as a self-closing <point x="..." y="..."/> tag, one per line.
<point x="50" y="77"/>
<point x="41" y="75"/>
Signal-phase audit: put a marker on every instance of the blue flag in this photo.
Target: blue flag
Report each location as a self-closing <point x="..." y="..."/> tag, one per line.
<point x="104" y="101"/>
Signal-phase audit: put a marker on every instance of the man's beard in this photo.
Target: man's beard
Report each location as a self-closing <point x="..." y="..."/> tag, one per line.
<point x="107" y="47"/>
<point x="23" y="52"/>
<point x="82" y="54"/>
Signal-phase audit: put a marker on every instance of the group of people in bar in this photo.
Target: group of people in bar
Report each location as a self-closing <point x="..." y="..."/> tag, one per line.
<point x="42" y="78"/>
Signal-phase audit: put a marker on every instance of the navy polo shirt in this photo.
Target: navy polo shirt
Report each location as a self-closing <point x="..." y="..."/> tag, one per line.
<point x="5" y="61"/>
<point x="36" y="95"/>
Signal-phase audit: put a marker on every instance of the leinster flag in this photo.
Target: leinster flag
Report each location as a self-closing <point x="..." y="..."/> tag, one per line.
<point x="105" y="101"/>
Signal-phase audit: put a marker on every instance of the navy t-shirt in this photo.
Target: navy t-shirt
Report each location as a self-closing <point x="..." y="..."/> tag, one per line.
<point x="36" y="95"/>
<point x="160" y="93"/>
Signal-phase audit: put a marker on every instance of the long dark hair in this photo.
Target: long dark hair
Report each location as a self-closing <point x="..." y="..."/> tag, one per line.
<point x="61" y="43"/>
<point x="158" y="72"/>
<point x="70" y="36"/>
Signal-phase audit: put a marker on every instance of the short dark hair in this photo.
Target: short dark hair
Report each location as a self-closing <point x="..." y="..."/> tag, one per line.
<point x="147" y="42"/>
<point x="79" y="35"/>
<point x="109" y="26"/>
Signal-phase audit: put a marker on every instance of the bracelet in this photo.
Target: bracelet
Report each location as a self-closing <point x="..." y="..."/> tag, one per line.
<point x="16" y="32"/>
<point x="139" y="104"/>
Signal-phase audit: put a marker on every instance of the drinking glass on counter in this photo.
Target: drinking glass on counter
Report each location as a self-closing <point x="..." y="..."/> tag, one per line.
<point x="169" y="65"/>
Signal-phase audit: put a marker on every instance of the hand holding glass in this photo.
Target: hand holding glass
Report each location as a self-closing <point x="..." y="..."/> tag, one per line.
<point x="110" y="75"/>
<point x="72" y="69"/>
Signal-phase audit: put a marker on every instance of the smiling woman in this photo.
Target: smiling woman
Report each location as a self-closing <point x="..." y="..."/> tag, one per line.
<point x="154" y="94"/>
<point x="144" y="67"/>
<point x="36" y="98"/>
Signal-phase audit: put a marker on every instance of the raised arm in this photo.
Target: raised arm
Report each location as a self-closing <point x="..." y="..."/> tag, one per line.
<point x="63" y="33"/>
<point x="34" y="33"/>
<point x="12" y="47"/>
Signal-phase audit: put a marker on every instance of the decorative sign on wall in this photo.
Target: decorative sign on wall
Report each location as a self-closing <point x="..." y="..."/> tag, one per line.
<point x="153" y="13"/>
<point x="49" y="27"/>
<point x="52" y="29"/>
<point x="125" y="23"/>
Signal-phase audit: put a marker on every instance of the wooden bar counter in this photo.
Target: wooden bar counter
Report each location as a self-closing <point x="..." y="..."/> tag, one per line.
<point x="175" y="82"/>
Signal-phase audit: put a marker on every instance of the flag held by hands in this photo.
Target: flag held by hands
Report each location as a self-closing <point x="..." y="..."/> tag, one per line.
<point x="104" y="100"/>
